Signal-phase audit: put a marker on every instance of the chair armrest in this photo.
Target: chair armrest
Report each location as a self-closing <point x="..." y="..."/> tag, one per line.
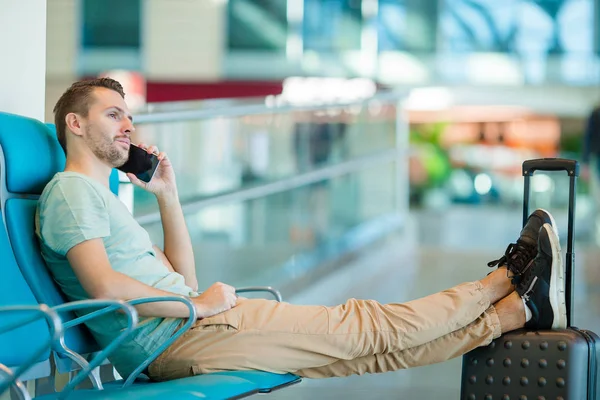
<point x="269" y="289"/>
<point x="56" y="332"/>
<point x="13" y="380"/>
<point x="108" y="306"/>
<point x="76" y="357"/>
<point x="79" y="320"/>
<point x="184" y="328"/>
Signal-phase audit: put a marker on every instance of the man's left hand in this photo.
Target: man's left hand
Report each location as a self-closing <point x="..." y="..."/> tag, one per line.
<point x="163" y="181"/>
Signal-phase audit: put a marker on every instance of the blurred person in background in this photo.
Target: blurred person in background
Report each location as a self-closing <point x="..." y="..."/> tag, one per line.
<point x="591" y="161"/>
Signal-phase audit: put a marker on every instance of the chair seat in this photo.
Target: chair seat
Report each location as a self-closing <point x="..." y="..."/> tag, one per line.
<point x="210" y="386"/>
<point x="264" y="381"/>
<point x="218" y="385"/>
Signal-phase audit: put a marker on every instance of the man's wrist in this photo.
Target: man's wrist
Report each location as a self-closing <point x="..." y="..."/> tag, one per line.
<point x="200" y="309"/>
<point x="168" y="197"/>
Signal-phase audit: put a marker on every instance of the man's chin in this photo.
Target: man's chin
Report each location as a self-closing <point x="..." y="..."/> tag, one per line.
<point x="119" y="158"/>
<point x="119" y="163"/>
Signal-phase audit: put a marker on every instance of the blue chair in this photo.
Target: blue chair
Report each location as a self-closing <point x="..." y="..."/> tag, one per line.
<point x="19" y="355"/>
<point x="26" y="341"/>
<point x="29" y="156"/>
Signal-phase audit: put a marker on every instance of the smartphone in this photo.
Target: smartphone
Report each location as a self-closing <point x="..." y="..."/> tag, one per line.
<point x="140" y="163"/>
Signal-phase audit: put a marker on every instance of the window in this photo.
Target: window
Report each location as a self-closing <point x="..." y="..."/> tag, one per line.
<point x="518" y="26"/>
<point x="111" y="23"/>
<point x="332" y="25"/>
<point x="407" y="25"/>
<point x="257" y="25"/>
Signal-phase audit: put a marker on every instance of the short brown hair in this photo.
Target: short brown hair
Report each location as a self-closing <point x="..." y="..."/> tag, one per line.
<point x="77" y="99"/>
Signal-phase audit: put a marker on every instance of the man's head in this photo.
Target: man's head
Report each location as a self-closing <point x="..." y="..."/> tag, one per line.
<point x="93" y="115"/>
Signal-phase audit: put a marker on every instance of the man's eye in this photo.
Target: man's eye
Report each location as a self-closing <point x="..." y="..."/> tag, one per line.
<point x="113" y="115"/>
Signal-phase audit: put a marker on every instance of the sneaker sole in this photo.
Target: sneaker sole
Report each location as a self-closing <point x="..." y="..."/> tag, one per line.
<point x="557" y="285"/>
<point x="552" y="221"/>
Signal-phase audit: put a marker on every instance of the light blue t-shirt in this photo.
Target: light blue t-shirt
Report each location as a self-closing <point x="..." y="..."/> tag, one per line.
<point x="74" y="208"/>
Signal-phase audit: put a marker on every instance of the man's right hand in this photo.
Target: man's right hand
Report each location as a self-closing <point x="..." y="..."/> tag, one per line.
<point x="216" y="299"/>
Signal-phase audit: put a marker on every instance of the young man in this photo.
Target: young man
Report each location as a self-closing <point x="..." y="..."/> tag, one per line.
<point x="95" y="249"/>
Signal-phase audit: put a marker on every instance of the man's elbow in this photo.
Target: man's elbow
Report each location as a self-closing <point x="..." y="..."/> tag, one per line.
<point x="104" y="295"/>
<point x="192" y="283"/>
<point x="106" y="291"/>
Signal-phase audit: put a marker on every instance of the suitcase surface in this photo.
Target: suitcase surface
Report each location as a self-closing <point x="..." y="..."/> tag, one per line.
<point x="556" y="364"/>
<point x="520" y="365"/>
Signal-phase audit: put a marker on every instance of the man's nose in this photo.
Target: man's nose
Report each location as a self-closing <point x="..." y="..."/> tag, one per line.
<point x="128" y="128"/>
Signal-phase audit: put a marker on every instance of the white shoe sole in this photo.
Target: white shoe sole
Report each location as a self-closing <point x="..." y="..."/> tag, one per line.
<point x="552" y="221"/>
<point x="557" y="283"/>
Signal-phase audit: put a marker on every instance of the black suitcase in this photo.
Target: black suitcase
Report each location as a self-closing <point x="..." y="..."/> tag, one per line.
<point x="547" y="364"/>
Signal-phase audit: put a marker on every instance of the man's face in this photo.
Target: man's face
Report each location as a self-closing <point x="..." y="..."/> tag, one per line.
<point x="108" y="127"/>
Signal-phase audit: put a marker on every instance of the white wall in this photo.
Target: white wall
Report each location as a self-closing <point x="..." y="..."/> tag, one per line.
<point x="63" y="26"/>
<point x="62" y="37"/>
<point x="23" y="55"/>
<point x="183" y="39"/>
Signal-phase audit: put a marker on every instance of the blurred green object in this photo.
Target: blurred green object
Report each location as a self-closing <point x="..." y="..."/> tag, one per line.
<point x="425" y="139"/>
<point x="436" y="164"/>
<point x="428" y="133"/>
<point x="572" y="143"/>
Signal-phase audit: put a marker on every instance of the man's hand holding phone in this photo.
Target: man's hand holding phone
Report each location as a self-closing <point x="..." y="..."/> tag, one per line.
<point x="160" y="178"/>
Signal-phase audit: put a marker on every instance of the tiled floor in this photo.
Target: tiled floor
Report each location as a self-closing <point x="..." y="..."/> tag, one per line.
<point x="415" y="264"/>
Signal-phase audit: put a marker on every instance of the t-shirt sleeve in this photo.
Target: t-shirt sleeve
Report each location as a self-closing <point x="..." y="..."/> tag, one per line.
<point x="74" y="211"/>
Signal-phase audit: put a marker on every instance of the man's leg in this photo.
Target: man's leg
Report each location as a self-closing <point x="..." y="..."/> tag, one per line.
<point x="505" y="316"/>
<point x="542" y="288"/>
<point x="281" y="337"/>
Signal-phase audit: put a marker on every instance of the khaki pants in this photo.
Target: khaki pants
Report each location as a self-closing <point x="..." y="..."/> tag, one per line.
<point x="360" y="336"/>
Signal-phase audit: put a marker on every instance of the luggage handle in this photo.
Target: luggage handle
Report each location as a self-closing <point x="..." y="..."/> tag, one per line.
<point x="572" y="169"/>
<point x="551" y="164"/>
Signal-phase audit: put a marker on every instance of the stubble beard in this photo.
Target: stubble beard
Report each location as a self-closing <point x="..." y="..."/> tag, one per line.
<point x="104" y="147"/>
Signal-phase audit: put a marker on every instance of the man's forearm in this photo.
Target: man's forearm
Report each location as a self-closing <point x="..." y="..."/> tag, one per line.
<point x="119" y="286"/>
<point x="178" y="246"/>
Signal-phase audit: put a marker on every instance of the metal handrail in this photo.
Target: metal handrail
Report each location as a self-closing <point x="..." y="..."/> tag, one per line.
<point x="279" y="186"/>
<point x="225" y="108"/>
<point x="240" y="110"/>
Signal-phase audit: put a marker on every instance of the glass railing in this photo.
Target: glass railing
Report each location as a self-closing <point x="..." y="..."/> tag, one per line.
<point x="272" y="191"/>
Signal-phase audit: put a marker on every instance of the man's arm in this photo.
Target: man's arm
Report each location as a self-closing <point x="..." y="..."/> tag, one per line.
<point x="178" y="245"/>
<point x="93" y="270"/>
<point x="161" y="256"/>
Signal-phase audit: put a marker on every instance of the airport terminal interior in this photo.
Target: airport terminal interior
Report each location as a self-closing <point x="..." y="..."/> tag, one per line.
<point x="337" y="149"/>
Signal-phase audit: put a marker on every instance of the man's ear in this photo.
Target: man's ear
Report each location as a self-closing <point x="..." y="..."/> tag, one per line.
<point x="74" y="123"/>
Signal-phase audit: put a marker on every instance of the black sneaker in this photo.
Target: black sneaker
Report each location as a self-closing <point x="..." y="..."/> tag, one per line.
<point x="543" y="285"/>
<point x="519" y="256"/>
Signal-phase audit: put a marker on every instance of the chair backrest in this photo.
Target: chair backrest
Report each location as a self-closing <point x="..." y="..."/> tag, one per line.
<point x="17" y="345"/>
<point x="30" y="155"/>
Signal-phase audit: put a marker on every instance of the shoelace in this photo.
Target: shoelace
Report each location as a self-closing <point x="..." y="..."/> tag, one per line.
<point x="517" y="257"/>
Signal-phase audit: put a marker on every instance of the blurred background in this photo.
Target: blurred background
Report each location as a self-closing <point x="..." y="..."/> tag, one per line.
<point x="352" y="148"/>
<point x="481" y="86"/>
<point x="484" y="85"/>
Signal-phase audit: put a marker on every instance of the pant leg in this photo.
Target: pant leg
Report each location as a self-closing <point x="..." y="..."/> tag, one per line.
<point x="481" y="332"/>
<point x="281" y="337"/>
